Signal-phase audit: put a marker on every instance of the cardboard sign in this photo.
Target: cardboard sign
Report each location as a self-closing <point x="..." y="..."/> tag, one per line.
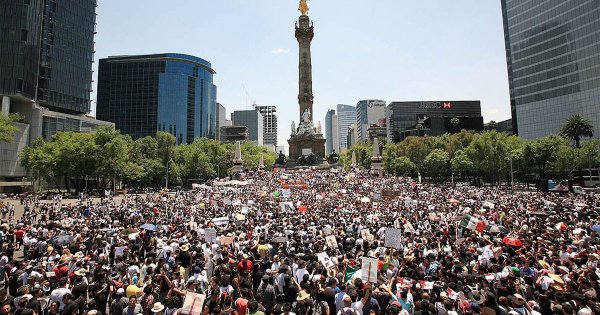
<point x="393" y="238"/>
<point x="193" y="303"/>
<point x="325" y="260"/>
<point x="368" y="269"/>
<point x="331" y="241"/>
<point x="327" y="230"/>
<point x="210" y="235"/>
<point x="227" y="240"/>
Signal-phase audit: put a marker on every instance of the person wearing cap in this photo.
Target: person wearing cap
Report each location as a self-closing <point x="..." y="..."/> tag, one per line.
<point x="520" y="305"/>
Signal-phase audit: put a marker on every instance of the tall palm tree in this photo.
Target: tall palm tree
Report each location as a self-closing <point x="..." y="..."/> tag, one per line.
<point x="577" y="127"/>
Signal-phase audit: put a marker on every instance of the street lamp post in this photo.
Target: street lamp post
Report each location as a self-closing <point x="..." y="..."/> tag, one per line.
<point x="167" y="176"/>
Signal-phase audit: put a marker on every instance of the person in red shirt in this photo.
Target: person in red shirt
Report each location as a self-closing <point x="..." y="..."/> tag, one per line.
<point x="244" y="265"/>
<point x="19" y="236"/>
<point x="241" y="304"/>
<point x="61" y="269"/>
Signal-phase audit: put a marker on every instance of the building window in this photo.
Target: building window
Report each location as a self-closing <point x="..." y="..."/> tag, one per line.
<point x="24" y="35"/>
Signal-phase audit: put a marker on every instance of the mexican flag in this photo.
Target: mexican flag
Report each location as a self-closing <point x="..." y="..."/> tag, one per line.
<point x="350" y="271"/>
<point x="472" y="223"/>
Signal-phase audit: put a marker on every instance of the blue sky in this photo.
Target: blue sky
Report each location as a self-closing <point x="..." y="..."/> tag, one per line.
<point x="394" y="50"/>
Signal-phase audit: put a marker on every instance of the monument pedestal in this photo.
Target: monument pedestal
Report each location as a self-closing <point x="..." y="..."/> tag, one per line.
<point x="304" y="144"/>
<point x="377" y="167"/>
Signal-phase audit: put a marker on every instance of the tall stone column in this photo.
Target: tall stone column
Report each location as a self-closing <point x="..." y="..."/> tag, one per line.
<point x="304" y="35"/>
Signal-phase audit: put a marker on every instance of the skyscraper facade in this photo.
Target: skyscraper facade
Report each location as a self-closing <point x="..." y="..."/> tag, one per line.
<point x="553" y="57"/>
<point x="329" y="134"/>
<point x="252" y="119"/>
<point x="47" y="51"/>
<point x="269" y="125"/>
<point x="46" y="56"/>
<point x="368" y="112"/>
<point x="346" y="116"/>
<point x="145" y="94"/>
<point x="221" y="118"/>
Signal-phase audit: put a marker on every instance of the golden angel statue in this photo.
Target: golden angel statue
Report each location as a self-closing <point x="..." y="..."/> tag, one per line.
<point x="303" y="7"/>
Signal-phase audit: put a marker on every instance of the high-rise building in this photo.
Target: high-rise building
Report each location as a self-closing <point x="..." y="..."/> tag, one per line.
<point x="269" y="125"/>
<point x="252" y="119"/>
<point x="221" y="118"/>
<point x="329" y="134"/>
<point x="346" y="116"/>
<point x="553" y="57"/>
<point x="432" y="118"/>
<point x="368" y="112"/>
<point x="46" y="56"/>
<point x="145" y="94"/>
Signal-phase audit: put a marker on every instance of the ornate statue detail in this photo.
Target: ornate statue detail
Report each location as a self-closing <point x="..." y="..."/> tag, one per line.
<point x="306" y="116"/>
<point x="303" y="7"/>
<point x="319" y="127"/>
<point x="293" y="128"/>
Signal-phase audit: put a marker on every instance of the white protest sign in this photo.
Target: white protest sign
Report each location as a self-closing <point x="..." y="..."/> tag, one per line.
<point x="193" y="303"/>
<point x="327" y="230"/>
<point x="221" y="221"/>
<point x="227" y="240"/>
<point x="119" y="251"/>
<point x="210" y="235"/>
<point x="393" y="238"/>
<point x="368" y="269"/>
<point x="331" y="241"/>
<point x="325" y="260"/>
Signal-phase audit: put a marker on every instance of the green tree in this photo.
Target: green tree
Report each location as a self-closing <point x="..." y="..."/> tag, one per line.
<point x="461" y="164"/>
<point x="114" y="153"/>
<point x="436" y="164"/>
<point x="403" y="166"/>
<point x="577" y="127"/>
<point x="7" y="128"/>
<point x="541" y="152"/>
<point x="251" y="155"/>
<point x="363" y="151"/>
<point x="489" y="153"/>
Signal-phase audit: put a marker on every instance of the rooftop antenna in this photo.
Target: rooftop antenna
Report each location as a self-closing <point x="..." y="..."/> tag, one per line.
<point x="248" y="97"/>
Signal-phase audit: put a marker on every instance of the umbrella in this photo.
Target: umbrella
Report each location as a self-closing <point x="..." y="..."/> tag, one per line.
<point x="280" y="239"/>
<point x="512" y="241"/>
<point x="596" y="228"/>
<point x="61" y="240"/>
<point x="150" y="227"/>
<point x="495" y="228"/>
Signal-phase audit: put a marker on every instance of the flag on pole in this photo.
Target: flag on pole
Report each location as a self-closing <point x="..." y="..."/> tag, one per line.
<point x="472" y="223"/>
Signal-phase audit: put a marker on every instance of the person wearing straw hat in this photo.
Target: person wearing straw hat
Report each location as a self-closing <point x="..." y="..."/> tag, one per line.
<point x="157" y="308"/>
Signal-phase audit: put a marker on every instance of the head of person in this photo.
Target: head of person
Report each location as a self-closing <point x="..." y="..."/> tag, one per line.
<point x="5" y="308"/>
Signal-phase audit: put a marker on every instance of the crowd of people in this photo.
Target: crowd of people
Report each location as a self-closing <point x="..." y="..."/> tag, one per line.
<point x="304" y="242"/>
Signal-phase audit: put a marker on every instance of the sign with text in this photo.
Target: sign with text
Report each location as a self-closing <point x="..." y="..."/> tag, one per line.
<point x="393" y="238"/>
<point x="368" y="269"/>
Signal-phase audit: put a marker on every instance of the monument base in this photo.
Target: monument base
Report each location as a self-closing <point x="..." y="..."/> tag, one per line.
<point x="377" y="166"/>
<point x="301" y="146"/>
<point x="237" y="172"/>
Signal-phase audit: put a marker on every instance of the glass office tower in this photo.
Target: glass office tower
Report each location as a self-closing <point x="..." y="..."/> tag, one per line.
<point x="145" y="94"/>
<point x="553" y="56"/>
<point x="47" y="51"/>
<point x="346" y="115"/>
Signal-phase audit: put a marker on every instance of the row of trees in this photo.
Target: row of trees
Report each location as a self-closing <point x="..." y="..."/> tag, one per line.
<point x="106" y="157"/>
<point x="487" y="156"/>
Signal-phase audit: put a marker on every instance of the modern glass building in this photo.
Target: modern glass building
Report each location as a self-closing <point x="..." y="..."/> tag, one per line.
<point x="431" y="118"/>
<point x="553" y="56"/>
<point x="346" y="115"/>
<point x="252" y="119"/>
<point x="145" y="94"/>
<point x="47" y="51"/>
<point x="46" y="56"/>
<point x="368" y="112"/>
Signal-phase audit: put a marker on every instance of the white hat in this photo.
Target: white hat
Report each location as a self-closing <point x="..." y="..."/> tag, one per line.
<point x="157" y="307"/>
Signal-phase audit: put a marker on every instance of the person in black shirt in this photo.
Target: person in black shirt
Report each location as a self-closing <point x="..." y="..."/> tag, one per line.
<point x="71" y="307"/>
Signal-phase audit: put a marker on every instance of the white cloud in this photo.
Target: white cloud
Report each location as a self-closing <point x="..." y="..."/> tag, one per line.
<point x="279" y="51"/>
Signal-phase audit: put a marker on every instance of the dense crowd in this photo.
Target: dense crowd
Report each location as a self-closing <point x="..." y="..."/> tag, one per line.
<point x="304" y="242"/>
